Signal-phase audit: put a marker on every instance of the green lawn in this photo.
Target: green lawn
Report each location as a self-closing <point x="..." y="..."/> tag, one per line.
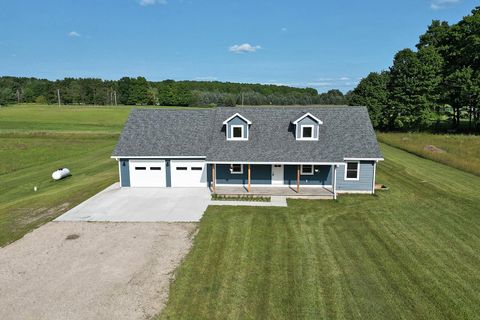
<point x="412" y="252"/>
<point x="461" y="151"/>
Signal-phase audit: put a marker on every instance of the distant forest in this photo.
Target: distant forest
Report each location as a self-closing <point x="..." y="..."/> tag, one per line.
<point x="139" y="91"/>
<point x="436" y="84"/>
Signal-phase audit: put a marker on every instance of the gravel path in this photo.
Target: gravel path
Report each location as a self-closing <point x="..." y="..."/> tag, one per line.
<point x="102" y="271"/>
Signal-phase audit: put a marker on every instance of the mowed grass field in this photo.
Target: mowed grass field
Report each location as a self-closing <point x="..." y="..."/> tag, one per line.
<point x="37" y="140"/>
<point x="412" y="252"/>
<point x="459" y="151"/>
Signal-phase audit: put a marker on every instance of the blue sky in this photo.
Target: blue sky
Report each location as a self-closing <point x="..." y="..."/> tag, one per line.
<point x="320" y="44"/>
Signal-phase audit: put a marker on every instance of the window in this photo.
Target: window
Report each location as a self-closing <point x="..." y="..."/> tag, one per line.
<point x="236" y="168"/>
<point x="352" y="170"/>
<point x="155" y="168"/>
<point x="307" y="170"/>
<point x="140" y="168"/>
<point x="237" y="132"/>
<point x="197" y="168"/>
<point x="181" y="168"/>
<point x="307" y="132"/>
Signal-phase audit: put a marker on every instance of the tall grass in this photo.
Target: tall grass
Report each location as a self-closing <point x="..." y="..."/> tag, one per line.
<point x="460" y="151"/>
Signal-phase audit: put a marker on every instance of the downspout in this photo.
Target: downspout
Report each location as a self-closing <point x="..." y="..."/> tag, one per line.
<point x="374" y="176"/>
<point x="335" y="182"/>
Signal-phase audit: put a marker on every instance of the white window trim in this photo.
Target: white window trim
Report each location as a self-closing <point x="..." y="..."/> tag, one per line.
<point x="313" y="132"/>
<point x="237" y="172"/>
<point x="232" y="126"/>
<point x="307" y="173"/>
<point x="358" y="171"/>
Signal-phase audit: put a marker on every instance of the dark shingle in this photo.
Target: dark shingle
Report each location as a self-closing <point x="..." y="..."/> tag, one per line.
<point x="346" y="132"/>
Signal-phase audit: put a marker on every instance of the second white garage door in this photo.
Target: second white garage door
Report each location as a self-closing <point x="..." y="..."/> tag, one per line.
<point x="188" y="173"/>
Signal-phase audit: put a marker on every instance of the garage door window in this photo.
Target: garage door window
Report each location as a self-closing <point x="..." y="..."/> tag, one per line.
<point x="197" y="168"/>
<point x="181" y="168"/>
<point x="140" y="168"/>
<point x="155" y="168"/>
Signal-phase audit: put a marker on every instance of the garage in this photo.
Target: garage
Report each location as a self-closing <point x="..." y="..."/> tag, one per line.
<point x="187" y="173"/>
<point x="147" y="173"/>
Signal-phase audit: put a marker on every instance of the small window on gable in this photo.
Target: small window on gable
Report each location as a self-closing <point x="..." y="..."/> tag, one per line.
<point x="236" y="168"/>
<point x="237" y="132"/>
<point x="352" y="170"/>
<point x="307" y="131"/>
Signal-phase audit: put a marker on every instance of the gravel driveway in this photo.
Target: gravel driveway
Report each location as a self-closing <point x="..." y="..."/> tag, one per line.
<point x="104" y="271"/>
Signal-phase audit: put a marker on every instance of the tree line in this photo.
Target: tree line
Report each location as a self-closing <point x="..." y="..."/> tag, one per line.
<point x="139" y="91"/>
<point x="437" y="81"/>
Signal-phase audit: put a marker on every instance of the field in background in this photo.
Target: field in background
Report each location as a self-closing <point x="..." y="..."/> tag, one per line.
<point x="458" y="151"/>
<point x="408" y="253"/>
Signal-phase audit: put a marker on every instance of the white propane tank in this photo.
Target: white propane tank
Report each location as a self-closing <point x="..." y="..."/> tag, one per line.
<point x="60" y="173"/>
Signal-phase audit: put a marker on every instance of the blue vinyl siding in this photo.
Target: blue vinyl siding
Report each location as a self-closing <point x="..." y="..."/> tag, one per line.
<point x="363" y="184"/>
<point x="260" y="174"/>
<point x="237" y="121"/>
<point x="168" y="173"/>
<point x="124" y="172"/>
<point x="322" y="177"/>
<point x="307" y="121"/>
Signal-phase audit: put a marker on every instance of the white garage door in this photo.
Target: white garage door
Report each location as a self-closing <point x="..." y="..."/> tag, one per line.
<point x="188" y="173"/>
<point x="147" y="173"/>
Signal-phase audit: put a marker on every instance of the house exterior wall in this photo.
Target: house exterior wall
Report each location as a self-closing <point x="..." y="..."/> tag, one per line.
<point x="309" y="121"/>
<point x="260" y="174"/>
<point x="323" y="177"/>
<point x="237" y="121"/>
<point x="124" y="172"/>
<point x="365" y="182"/>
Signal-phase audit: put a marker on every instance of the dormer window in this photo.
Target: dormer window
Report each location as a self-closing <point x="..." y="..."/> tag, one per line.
<point x="237" y="132"/>
<point x="237" y="127"/>
<point x="307" y="127"/>
<point x="307" y="131"/>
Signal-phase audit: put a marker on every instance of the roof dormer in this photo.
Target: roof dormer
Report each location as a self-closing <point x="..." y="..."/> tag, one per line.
<point x="307" y="127"/>
<point x="237" y="127"/>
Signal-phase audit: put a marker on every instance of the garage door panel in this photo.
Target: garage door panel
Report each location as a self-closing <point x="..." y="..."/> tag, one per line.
<point x="188" y="173"/>
<point x="147" y="173"/>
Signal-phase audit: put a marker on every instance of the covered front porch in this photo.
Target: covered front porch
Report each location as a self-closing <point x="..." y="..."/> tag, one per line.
<point x="290" y="180"/>
<point x="287" y="191"/>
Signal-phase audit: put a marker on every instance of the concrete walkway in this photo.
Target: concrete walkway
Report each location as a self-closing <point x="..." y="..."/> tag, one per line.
<point x="142" y="205"/>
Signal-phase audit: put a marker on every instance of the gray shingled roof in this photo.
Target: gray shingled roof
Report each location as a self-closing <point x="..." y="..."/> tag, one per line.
<point x="346" y="133"/>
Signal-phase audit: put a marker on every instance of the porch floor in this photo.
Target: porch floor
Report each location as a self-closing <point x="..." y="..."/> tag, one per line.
<point x="288" y="191"/>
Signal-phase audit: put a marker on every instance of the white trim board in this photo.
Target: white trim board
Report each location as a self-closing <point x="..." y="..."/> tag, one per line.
<point x="270" y="162"/>
<point x="308" y="114"/>
<point x="237" y="115"/>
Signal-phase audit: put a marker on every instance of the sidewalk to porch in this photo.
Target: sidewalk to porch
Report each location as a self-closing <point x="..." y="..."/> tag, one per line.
<point x="287" y="191"/>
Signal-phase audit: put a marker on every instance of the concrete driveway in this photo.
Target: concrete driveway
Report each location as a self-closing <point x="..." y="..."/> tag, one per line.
<point x="142" y="205"/>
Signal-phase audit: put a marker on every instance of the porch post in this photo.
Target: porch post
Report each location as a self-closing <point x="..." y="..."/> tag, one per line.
<point x="334" y="182"/>
<point x="249" y="175"/>
<point x="214" y="178"/>
<point x="298" y="178"/>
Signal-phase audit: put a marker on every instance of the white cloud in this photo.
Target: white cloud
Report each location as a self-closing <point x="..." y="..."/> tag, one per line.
<point x="442" y="4"/>
<point x="344" y="78"/>
<point x="243" y="48"/>
<point x="146" y="3"/>
<point x="74" y="34"/>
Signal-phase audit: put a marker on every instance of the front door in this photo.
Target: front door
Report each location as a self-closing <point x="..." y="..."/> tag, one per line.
<point x="277" y="174"/>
